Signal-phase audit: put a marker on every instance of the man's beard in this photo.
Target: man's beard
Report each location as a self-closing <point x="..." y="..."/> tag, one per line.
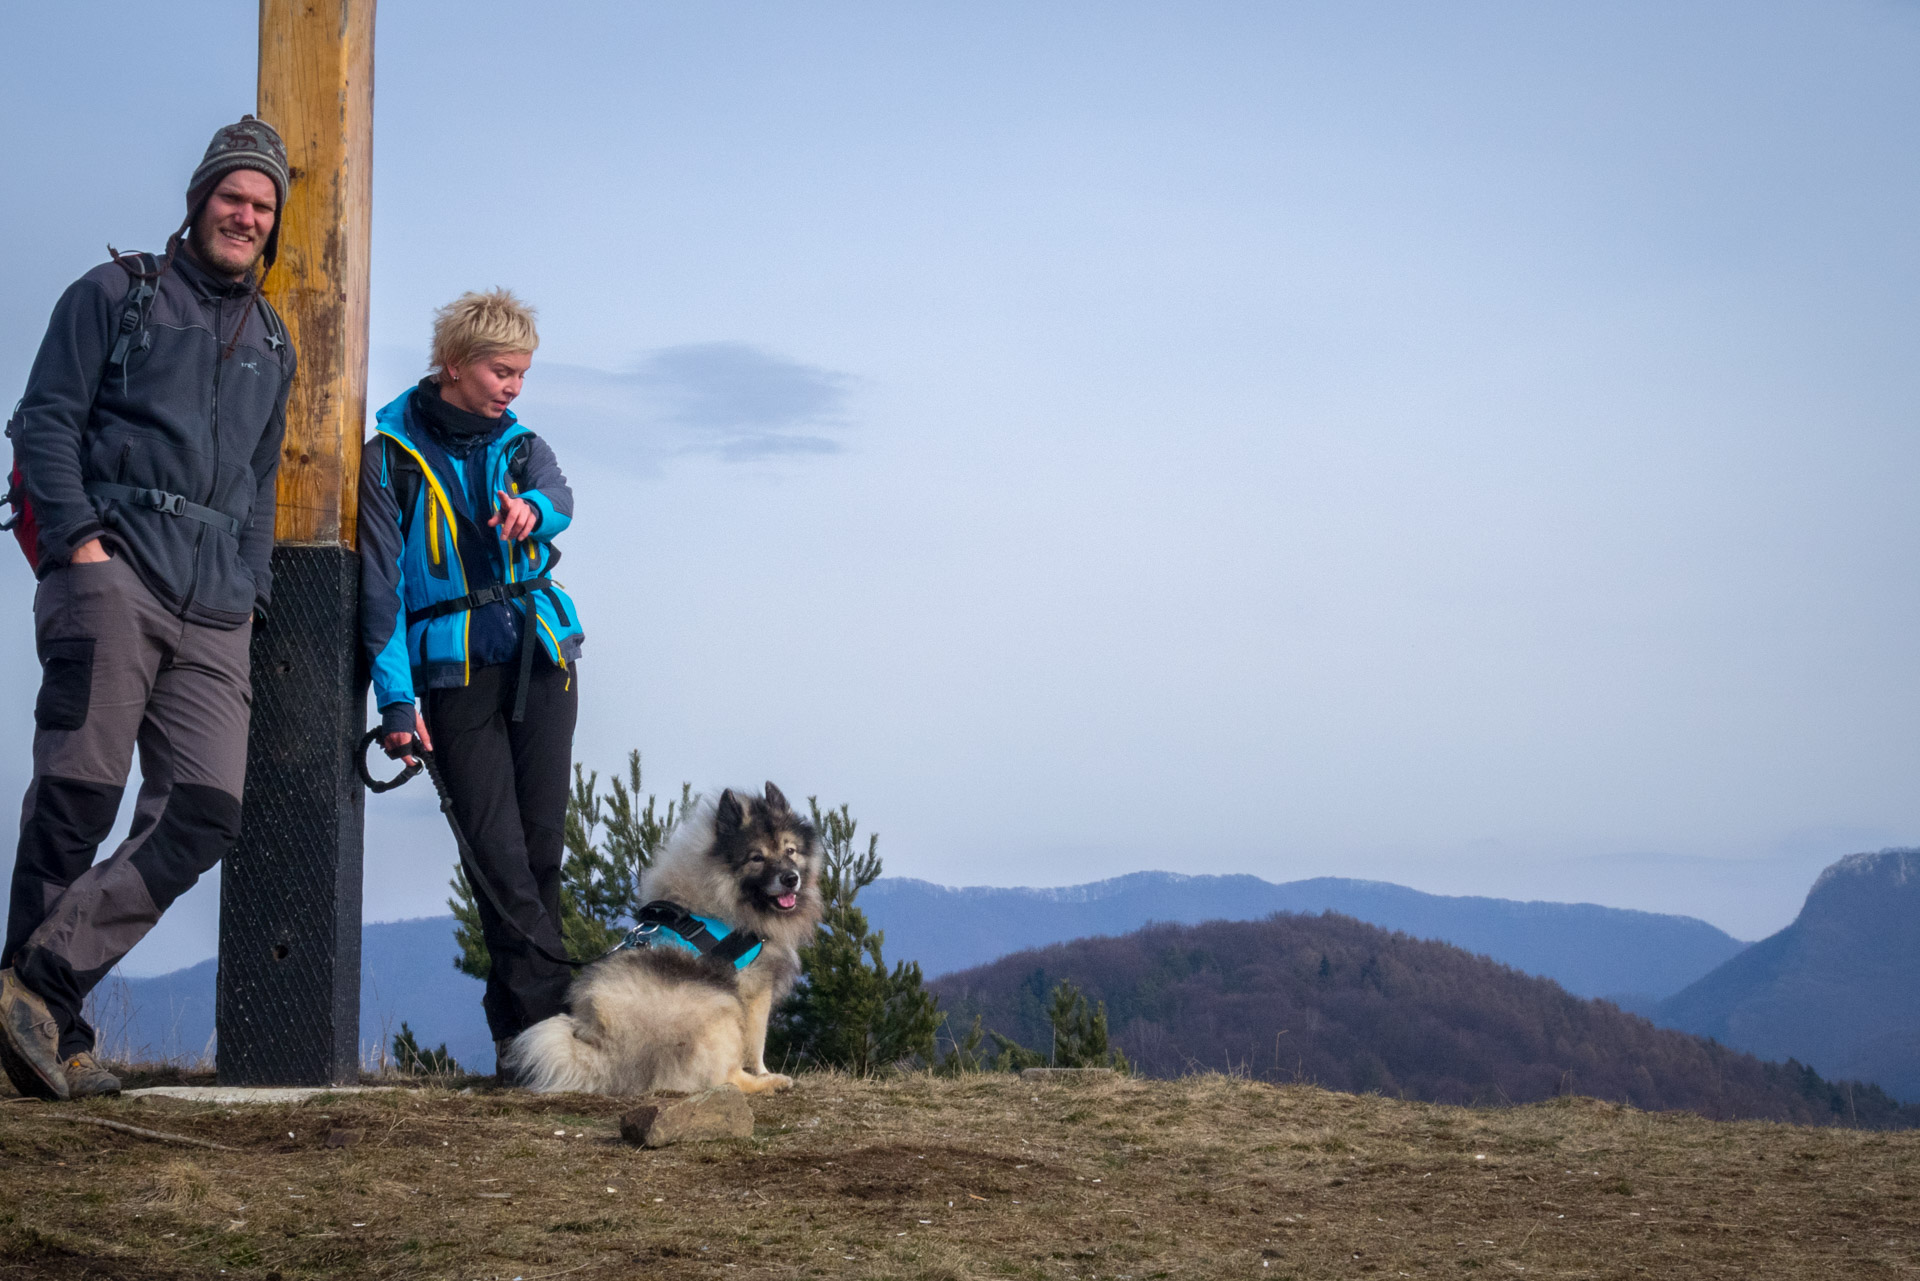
<point x="204" y="238"/>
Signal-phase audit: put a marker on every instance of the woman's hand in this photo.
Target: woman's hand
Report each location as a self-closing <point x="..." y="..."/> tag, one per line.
<point x="515" y="517"/>
<point x="396" y="744"/>
<point x="89" y="553"/>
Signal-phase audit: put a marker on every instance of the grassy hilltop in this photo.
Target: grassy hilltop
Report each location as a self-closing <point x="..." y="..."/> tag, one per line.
<point x="983" y="1176"/>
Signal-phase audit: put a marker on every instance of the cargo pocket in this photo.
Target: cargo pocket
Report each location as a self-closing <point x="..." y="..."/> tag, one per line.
<point x="66" y="683"/>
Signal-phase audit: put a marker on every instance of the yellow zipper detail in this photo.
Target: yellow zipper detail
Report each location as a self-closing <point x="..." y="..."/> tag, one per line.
<point x="557" y="656"/>
<point x="433" y="482"/>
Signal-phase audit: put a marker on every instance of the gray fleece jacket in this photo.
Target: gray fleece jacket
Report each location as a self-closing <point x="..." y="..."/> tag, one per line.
<point x="182" y="417"/>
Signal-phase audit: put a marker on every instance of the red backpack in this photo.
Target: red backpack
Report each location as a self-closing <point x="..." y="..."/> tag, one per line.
<point x="143" y="273"/>
<point x="24" y="524"/>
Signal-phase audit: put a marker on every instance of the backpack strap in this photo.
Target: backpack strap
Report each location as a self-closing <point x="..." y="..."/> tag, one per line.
<point x="491" y="594"/>
<point x="405" y="479"/>
<point x="167" y="504"/>
<point x="16" y="495"/>
<point x="520" y="460"/>
<point x="130" y="335"/>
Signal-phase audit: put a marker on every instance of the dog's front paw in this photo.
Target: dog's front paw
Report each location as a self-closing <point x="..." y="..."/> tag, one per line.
<point x="758" y="1082"/>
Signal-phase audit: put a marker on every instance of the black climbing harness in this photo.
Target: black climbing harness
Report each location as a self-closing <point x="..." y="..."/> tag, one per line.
<point x="659" y="923"/>
<point x="496" y="593"/>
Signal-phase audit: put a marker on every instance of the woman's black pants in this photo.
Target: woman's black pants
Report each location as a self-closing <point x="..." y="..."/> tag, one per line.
<point x="509" y="787"/>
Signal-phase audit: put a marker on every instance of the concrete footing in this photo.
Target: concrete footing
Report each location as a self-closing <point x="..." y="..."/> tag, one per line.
<point x="231" y="1095"/>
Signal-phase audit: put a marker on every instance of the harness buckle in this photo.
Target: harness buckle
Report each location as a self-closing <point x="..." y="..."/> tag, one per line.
<point x="170" y="504"/>
<point x="638" y="936"/>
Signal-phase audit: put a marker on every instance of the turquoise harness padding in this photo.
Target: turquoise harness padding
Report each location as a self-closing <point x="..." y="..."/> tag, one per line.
<point x="668" y="924"/>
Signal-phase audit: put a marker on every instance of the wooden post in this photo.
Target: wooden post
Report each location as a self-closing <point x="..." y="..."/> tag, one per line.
<point x="288" y="1005"/>
<point x="316" y="88"/>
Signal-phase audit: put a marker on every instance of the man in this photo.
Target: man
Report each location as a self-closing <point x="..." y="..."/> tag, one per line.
<point x="148" y="441"/>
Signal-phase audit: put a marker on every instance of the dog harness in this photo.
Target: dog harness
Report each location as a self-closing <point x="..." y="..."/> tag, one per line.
<point x="666" y="924"/>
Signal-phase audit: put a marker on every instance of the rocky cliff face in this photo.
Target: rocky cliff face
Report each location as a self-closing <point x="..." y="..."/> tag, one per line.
<point x="1838" y="989"/>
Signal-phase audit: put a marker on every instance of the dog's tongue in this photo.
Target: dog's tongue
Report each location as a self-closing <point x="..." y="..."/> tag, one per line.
<point x="787" y="900"/>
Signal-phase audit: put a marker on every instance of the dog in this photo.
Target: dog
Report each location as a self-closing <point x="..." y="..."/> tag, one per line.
<point x="665" y="1017"/>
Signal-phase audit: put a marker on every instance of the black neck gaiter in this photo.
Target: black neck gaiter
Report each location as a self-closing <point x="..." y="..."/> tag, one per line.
<point x="455" y="430"/>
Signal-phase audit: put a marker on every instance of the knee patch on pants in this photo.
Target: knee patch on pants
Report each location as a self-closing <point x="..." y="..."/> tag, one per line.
<point x="68" y="820"/>
<point x="195" y="831"/>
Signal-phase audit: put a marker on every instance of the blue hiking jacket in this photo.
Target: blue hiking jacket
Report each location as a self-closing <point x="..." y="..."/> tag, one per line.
<point x="414" y="559"/>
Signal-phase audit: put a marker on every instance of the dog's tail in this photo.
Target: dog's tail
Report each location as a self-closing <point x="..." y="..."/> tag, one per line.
<point x="548" y="1058"/>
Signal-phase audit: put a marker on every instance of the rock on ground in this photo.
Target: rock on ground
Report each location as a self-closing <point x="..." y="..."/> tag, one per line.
<point x="715" y="1114"/>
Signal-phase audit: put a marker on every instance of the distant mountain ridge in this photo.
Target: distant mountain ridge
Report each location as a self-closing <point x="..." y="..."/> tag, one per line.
<point x="1333" y="1001"/>
<point x="1839" y="988"/>
<point x="406" y="973"/>
<point x="1587" y="949"/>
<point x="407" y="966"/>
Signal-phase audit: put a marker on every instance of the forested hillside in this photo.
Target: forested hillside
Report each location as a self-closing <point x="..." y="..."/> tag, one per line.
<point x="1588" y="949"/>
<point x="1330" y="1000"/>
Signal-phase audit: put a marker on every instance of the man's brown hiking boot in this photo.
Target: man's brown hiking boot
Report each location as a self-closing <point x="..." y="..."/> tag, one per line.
<point x="29" y="1041"/>
<point x="87" y="1079"/>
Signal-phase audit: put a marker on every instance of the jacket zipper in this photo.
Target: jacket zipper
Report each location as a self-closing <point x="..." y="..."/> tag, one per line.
<point x="219" y="324"/>
<point x="213" y="426"/>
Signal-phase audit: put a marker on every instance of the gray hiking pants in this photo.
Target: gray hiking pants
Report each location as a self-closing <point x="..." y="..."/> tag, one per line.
<point x="118" y="670"/>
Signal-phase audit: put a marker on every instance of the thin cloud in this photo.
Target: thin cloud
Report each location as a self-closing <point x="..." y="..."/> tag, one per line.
<point x="727" y="386"/>
<point x="728" y="400"/>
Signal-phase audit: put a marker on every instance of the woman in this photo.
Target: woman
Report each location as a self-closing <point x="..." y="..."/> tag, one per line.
<point x="459" y="506"/>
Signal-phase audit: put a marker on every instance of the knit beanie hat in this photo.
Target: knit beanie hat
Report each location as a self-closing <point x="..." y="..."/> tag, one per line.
<point x="250" y="144"/>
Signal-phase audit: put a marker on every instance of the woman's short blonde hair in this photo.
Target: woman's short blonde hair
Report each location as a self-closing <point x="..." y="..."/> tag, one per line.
<point x="475" y="326"/>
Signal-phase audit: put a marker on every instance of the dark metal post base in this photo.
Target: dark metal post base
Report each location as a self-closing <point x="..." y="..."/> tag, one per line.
<point x="288" y="1006"/>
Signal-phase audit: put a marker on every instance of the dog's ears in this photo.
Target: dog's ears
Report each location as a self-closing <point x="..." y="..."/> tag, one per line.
<point x="729" y="814"/>
<point x="777" y="800"/>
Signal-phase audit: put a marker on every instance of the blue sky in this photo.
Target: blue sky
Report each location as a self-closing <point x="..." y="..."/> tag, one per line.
<point x="1470" y="445"/>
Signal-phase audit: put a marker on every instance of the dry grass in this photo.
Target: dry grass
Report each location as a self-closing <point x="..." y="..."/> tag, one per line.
<point x="980" y="1177"/>
<point x="176" y="1185"/>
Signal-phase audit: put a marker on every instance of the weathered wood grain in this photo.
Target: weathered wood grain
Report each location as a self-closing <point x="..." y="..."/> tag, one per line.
<point x="316" y="88"/>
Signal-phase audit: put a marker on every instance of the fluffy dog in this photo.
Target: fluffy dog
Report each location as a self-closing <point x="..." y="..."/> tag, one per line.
<point x="665" y="1017"/>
